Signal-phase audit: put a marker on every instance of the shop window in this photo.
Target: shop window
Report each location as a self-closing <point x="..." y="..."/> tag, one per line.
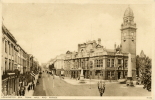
<point x="97" y="72"/>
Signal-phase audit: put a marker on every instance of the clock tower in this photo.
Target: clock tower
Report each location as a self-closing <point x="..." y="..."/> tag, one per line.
<point x="128" y="36"/>
<point x="128" y="32"/>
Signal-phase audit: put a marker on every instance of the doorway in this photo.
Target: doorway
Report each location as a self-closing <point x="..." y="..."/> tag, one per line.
<point x="119" y="74"/>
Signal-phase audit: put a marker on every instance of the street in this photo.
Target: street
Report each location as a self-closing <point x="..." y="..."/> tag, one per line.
<point x="63" y="88"/>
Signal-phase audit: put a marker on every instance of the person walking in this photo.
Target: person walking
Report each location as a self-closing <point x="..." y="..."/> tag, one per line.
<point x="28" y="88"/>
<point x="33" y="85"/>
<point x="101" y="87"/>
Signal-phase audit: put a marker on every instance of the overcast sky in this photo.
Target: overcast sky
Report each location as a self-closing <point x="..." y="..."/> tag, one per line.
<point x="46" y="30"/>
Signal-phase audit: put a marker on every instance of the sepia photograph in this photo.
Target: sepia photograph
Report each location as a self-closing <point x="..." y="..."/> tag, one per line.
<point x="76" y="49"/>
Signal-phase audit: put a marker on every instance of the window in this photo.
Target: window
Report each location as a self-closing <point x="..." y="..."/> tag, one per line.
<point x="125" y="74"/>
<point x="112" y="62"/>
<point x="6" y="46"/>
<point x="97" y="72"/>
<point x="5" y="64"/>
<point x="108" y="74"/>
<point x="112" y="73"/>
<point x="9" y="47"/>
<point x="99" y="63"/>
<point x="91" y="64"/>
<point x="126" y="63"/>
<point x="119" y="61"/>
<point x="108" y="63"/>
<point x="9" y="65"/>
<point x="12" y="47"/>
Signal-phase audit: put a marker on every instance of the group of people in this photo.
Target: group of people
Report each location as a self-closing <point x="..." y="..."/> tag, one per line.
<point x="22" y="91"/>
<point x="31" y="87"/>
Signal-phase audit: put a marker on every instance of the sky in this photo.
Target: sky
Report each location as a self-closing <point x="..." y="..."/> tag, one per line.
<point x="48" y="29"/>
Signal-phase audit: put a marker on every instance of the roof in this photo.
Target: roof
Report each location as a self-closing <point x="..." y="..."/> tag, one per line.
<point x="128" y="12"/>
<point x="6" y="31"/>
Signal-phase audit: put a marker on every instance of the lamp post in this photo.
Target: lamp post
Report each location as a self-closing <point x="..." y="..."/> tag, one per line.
<point x="53" y="77"/>
<point x="90" y="82"/>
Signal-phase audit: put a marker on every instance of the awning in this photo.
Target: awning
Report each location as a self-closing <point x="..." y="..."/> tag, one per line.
<point x="32" y="74"/>
<point x="11" y="73"/>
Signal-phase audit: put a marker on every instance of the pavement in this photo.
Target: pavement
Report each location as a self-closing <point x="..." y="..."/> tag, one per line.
<point x="71" y="87"/>
<point x="86" y="81"/>
<point x="38" y="91"/>
<point x="31" y="92"/>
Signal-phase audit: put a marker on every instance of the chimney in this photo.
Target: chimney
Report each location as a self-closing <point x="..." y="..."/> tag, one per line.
<point x="99" y="41"/>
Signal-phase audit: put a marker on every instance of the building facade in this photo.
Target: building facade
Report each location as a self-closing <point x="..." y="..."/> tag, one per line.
<point x="15" y="64"/>
<point x="59" y="64"/>
<point x="101" y="63"/>
<point x="9" y="62"/>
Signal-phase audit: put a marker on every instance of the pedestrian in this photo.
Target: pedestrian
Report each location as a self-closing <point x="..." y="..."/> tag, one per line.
<point x="22" y="92"/>
<point x="101" y="87"/>
<point x="28" y="88"/>
<point x="33" y="85"/>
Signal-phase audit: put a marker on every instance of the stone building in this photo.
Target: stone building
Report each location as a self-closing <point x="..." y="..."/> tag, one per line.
<point x="9" y="62"/>
<point x="14" y="65"/>
<point x="59" y="64"/>
<point x="101" y="63"/>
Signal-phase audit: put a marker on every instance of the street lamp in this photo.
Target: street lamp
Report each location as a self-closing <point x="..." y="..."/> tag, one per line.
<point x="90" y="81"/>
<point x="53" y="77"/>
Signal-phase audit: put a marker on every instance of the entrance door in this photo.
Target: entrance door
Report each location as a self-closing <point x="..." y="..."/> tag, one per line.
<point x="119" y="74"/>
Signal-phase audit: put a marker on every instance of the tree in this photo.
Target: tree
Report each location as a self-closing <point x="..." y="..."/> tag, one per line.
<point x="144" y="70"/>
<point x="51" y="67"/>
